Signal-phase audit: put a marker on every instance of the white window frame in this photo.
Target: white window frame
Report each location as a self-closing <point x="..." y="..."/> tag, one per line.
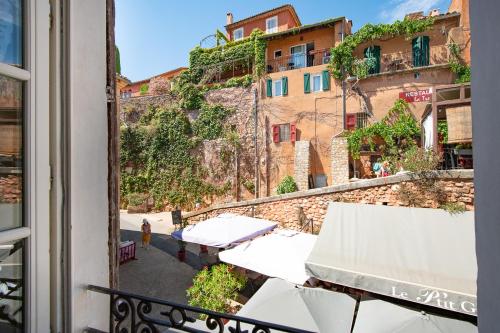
<point x="275" y="92"/>
<point x="242" y="33"/>
<point x="272" y="30"/>
<point x="304" y="53"/>
<point x="274" y="53"/>
<point x="320" y="82"/>
<point x="36" y="173"/>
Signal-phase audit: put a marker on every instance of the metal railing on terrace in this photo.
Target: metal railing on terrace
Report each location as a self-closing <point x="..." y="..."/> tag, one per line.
<point x="298" y="60"/>
<point x="390" y="62"/>
<point x="134" y="313"/>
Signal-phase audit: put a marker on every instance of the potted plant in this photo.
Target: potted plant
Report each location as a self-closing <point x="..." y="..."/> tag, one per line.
<point x="214" y="288"/>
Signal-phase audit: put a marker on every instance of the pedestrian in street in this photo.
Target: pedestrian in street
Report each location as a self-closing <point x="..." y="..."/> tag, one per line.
<point x="146" y="234"/>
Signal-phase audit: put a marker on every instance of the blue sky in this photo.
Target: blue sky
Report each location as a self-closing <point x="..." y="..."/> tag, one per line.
<point x="155" y="36"/>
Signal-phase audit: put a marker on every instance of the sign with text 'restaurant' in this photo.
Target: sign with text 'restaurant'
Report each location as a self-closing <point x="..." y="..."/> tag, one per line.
<point x="416" y="95"/>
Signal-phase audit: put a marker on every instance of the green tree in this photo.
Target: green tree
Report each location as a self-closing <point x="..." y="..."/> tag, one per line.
<point x="117" y="60"/>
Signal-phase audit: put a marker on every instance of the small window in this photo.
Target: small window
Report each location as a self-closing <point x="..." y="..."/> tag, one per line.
<point x="316" y="83"/>
<point x="284" y="132"/>
<point x="278" y="91"/>
<point x="277" y="54"/>
<point x="272" y="24"/>
<point x="238" y="34"/>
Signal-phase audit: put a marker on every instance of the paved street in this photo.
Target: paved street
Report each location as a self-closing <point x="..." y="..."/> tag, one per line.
<point x="157" y="272"/>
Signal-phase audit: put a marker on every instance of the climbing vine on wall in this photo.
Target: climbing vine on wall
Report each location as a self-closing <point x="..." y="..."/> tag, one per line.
<point x="342" y="57"/>
<point x="457" y="65"/>
<point x="252" y="48"/>
<point x="397" y="130"/>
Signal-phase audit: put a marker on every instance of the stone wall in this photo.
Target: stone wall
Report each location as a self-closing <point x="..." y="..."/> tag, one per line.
<point x="301" y="165"/>
<point x="132" y="108"/>
<point x="457" y="187"/>
<point x="340" y="160"/>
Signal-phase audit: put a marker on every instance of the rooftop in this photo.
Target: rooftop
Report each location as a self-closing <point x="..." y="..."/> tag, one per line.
<point x="267" y="12"/>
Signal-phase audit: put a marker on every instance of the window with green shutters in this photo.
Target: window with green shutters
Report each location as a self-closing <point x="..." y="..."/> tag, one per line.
<point x="421" y="51"/>
<point x="269" y="88"/>
<point x="372" y="57"/>
<point x="284" y="85"/>
<point x="307" y="83"/>
<point x="326" y="80"/>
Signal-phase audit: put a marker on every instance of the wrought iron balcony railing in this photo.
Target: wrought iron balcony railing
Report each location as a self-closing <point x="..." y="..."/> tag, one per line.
<point x="134" y="313"/>
<point x="298" y="60"/>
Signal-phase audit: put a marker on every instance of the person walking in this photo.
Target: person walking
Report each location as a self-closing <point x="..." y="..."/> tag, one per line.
<point x="146" y="234"/>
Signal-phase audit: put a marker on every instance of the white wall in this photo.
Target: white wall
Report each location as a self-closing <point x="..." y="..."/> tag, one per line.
<point x="485" y="32"/>
<point x="88" y="149"/>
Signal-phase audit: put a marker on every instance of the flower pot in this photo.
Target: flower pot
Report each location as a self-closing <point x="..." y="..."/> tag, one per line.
<point x="181" y="255"/>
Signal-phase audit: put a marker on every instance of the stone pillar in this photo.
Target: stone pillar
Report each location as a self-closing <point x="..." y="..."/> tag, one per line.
<point x="340" y="161"/>
<point x="302" y="165"/>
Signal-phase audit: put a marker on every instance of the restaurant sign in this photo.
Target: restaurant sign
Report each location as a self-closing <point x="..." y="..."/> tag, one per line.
<point x="416" y="95"/>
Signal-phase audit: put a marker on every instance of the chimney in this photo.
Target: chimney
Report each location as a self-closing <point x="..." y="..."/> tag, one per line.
<point x="434" y="12"/>
<point x="229" y="18"/>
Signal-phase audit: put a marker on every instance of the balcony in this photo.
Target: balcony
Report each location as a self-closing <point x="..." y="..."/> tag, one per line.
<point x="298" y="60"/>
<point x="134" y="313"/>
<point x="403" y="60"/>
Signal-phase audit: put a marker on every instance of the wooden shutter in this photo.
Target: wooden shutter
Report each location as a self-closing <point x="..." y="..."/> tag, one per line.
<point x="326" y="80"/>
<point x="276" y="133"/>
<point x="269" y="88"/>
<point x="350" y="121"/>
<point x="421" y="51"/>
<point x="307" y="83"/>
<point x="293" y="132"/>
<point x="284" y="86"/>
<point x="373" y="52"/>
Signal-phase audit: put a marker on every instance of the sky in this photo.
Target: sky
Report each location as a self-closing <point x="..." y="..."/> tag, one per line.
<point x="155" y="36"/>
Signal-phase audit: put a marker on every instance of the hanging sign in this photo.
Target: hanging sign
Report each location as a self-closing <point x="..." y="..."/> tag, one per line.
<point x="416" y="95"/>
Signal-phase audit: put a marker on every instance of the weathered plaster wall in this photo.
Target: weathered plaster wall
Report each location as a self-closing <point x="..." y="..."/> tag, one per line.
<point x="285" y="22"/>
<point x="457" y="186"/>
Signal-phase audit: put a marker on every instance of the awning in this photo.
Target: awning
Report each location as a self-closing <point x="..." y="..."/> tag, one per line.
<point x="280" y="254"/>
<point x="311" y="309"/>
<point x="224" y="230"/>
<point x="376" y="316"/>
<point x="421" y="255"/>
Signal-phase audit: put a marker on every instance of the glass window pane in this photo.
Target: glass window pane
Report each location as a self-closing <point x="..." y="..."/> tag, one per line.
<point x="316" y="83"/>
<point x="11" y="287"/>
<point x="284" y="132"/>
<point x="11" y="163"/>
<point x="11" y="32"/>
<point x="277" y="88"/>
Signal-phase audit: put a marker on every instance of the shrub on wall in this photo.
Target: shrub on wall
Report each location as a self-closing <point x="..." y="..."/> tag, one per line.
<point x="287" y="185"/>
<point x="144" y="89"/>
<point x="159" y="86"/>
<point x="214" y="288"/>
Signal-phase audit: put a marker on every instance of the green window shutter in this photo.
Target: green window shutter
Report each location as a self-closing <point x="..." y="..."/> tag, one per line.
<point x="373" y="53"/>
<point x="284" y="86"/>
<point x="307" y="83"/>
<point x="326" y="80"/>
<point x="269" y="88"/>
<point x="421" y="51"/>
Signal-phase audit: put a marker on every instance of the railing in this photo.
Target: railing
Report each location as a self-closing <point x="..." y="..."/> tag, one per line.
<point x="127" y="251"/>
<point x="456" y="158"/>
<point x="390" y="62"/>
<point x="134" y="313"/>
<point x="298" y="60"/>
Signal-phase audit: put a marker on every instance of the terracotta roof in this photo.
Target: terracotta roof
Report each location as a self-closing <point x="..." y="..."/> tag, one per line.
<point x="123" y="77"/>
<point x="304" y="28"/>
<point x="173" y="71"/>
<point x="267" y="12"/>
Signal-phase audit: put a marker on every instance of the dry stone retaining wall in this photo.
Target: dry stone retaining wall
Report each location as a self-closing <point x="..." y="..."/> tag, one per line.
<point x="457" y="186"/>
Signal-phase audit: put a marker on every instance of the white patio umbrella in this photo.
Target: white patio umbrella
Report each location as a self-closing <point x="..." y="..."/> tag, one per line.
<point x="224" y="230"/>
<point x="280" y="254"/>
<point x="311" y="309"/>
<point x="376" y="316"/>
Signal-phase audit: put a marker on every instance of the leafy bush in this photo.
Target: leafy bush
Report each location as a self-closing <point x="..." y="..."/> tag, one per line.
<point x="144" y="89"/>
<point x="136" y="199"/>
<point x="213" y="288"/>
<point x="210" y="123"/>
<point x="454" y="207"/>
<point x="420" y="160"/>
<point x="287" y="185"/>
<point x="458" y="66"/>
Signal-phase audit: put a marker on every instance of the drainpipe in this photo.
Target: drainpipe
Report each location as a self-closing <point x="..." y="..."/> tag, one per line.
<point x="257" y="187"/>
